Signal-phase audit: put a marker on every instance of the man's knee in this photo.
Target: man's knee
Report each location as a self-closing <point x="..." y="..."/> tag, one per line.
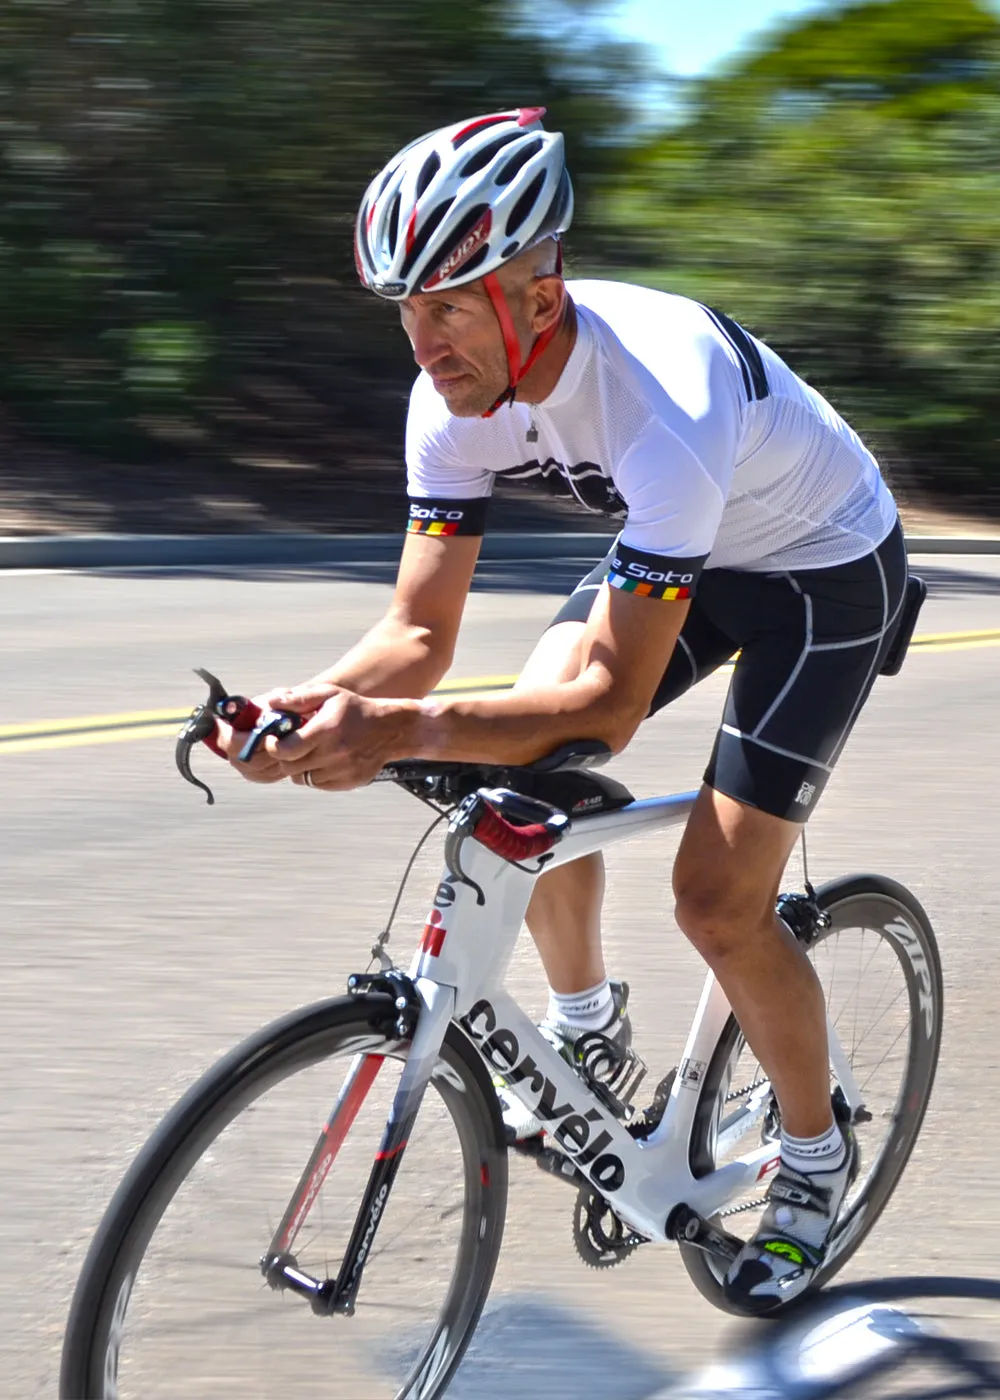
<point x="715" y="915"/>
<point x="556" y="656"/>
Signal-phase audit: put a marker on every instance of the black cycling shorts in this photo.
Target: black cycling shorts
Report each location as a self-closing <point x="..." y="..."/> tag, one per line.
<point x="810" y="642"/>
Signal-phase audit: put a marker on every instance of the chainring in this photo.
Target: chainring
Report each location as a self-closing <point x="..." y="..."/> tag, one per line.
<point x="601" y="1238"/>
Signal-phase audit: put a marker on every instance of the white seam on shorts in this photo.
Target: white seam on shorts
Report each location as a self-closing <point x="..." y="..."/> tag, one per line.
<point x="798" y="665"/>
<point x="774" y="748"/>
<point x="846" y="646"/>
<point x="886" y="624"/>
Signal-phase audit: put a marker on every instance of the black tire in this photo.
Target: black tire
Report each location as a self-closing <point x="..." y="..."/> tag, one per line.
<point x="905" y="939"/>
<point x="181" y="1153"/>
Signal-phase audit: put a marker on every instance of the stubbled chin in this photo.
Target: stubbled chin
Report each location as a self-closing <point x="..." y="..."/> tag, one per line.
<point x="468" y="404"/>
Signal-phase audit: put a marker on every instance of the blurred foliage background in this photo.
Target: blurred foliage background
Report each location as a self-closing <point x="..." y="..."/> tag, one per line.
<point x="178" y="181"/>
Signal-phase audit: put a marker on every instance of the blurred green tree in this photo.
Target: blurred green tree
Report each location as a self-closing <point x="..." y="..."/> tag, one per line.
<point x="839" y="190"/>
<point x="178" y="182"/>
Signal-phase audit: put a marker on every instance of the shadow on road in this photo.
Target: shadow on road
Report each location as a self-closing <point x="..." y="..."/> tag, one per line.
<point x="916" y="1335"/>
<point x="556" y="576"/>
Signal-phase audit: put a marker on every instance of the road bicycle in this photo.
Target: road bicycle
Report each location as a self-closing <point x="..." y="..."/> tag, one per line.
<point x="264" y="1243"/>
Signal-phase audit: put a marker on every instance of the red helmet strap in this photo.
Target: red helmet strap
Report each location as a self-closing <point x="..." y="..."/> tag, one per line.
<point x="516" y="370"/>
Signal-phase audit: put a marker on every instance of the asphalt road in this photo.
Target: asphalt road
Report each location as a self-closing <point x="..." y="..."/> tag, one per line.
<point x="143" y="933"/>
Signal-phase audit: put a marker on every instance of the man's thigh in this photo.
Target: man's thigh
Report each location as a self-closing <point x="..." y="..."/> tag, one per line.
<point x="731" y="859"/>
<point x="811" y="646"/>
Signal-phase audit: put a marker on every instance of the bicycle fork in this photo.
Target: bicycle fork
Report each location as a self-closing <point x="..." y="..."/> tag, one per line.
<point x="430" y="1006"/>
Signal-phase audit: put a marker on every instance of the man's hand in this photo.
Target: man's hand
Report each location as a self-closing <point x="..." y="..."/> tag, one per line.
<point x="344" y="743"/>
<point x="263" y="768"/>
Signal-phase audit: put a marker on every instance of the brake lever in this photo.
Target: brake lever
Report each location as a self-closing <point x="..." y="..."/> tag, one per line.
<point x="241" y="714"/>
<point x="278" y="722"/>
<point x="199" y="728"/>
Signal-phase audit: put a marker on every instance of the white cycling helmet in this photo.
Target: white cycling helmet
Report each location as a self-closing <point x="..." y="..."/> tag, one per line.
<point x="458" y="203"/>
<point x="455" y="205"/>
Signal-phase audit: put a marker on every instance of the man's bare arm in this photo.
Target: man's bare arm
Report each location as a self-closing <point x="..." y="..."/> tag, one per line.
<point x="403" y="656"/>
<point x="408" y="650"/>
<point x="625" y="649"/>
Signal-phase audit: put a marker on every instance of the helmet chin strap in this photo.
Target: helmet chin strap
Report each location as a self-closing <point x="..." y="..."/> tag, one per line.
<point x="512" y="345"/>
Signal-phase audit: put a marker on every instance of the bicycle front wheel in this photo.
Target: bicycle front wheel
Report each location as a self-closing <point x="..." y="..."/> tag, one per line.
<point x="880" y="970"/>
<point x="171" y="1300"/>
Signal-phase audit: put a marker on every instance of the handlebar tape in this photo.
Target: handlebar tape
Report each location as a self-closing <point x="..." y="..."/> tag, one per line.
<point x="512" y="842"/>
<point x="238" y="712"/>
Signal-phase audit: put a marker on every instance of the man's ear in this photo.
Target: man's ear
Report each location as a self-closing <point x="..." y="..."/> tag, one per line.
<point x="549" y="298"/>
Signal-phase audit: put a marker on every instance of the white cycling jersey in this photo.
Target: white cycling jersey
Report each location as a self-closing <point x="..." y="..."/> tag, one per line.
<point x="670" y="417"/>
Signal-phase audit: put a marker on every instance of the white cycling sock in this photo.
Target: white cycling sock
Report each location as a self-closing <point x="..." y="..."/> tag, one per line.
<point x="590" y="1010"/>
<point x="824" y="1161"/>
<point x="825" y="1153"/>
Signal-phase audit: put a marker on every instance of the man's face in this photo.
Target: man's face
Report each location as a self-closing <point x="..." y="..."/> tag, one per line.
<point x="456" y="338"/>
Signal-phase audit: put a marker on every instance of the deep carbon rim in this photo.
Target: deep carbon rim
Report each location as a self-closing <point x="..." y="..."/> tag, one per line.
<point x="888" y="910"/>
<point x="98" y="1331"/>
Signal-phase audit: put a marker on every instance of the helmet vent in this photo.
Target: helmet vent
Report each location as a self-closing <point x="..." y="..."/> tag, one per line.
<point x="430" y="168"/>
<point x="393" y="233"/>
<point x="383" y="183"/>
<point x="423" y="237"/>
<point x="464" y="227"/>
<point x="485" y="154"/>
<point x="524" y="205"/>
<point x="478" y="256"/>
<point x="557" y="208"/>
<point x="519" y="159"/>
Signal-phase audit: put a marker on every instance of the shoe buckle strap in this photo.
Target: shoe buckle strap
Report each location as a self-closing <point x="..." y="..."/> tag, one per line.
<point x="796" y="1192"/>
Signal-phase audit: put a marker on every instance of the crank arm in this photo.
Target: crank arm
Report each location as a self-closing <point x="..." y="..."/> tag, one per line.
<point x="686" y="1226"/>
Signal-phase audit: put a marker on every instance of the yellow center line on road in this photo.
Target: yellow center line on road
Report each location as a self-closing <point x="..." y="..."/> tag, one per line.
<point x="34" y="736"/>
<point x="31" y="737"/>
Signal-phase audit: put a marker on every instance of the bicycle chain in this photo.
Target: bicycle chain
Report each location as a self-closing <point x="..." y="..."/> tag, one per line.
<point x="747" y="1205"/>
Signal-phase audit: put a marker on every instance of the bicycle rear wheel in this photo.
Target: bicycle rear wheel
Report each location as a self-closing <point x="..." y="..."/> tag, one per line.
<point x="171" y="1300"/>
<point x="880" y="969"/>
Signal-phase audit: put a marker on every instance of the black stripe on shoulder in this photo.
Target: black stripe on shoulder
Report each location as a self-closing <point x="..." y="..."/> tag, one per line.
<point x="751" y="364"/>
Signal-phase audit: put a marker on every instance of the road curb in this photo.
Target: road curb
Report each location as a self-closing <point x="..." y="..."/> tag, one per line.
<point x="263" y="550"/>
<point x="300" y="549"/>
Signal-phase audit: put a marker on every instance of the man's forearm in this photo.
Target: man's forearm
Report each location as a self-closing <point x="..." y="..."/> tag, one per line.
<point x="393" y="660"/>
<point x="515" y="728"/>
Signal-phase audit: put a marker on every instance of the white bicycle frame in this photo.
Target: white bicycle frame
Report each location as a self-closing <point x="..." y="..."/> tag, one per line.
<point x="459" y="972"/>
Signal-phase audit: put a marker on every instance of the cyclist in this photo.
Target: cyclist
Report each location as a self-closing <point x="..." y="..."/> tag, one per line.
<point x="753" y="518"/>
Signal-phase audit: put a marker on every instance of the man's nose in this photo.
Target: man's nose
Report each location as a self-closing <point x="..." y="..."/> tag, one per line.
<point x="429" y="344"/>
